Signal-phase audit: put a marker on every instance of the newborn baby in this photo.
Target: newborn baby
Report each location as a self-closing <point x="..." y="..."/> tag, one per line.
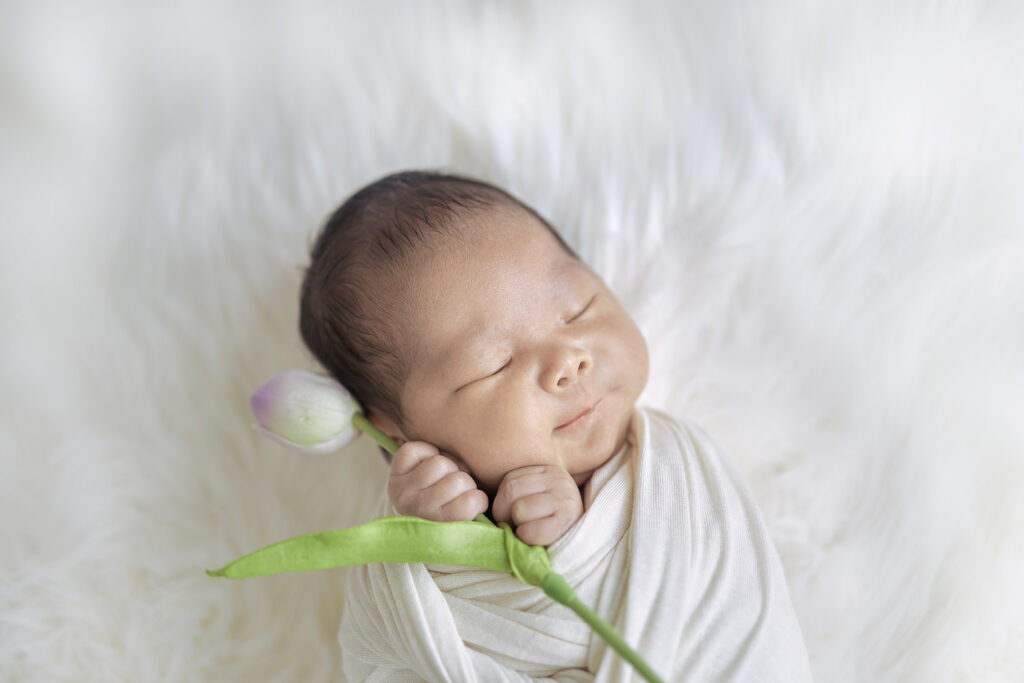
<point x="508" y="373"/>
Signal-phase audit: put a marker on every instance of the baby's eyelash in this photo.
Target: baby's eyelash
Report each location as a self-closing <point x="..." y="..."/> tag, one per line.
<point x="490" y="374"/>
<point x="503" y="366"/>
<point x="582" y="310"/>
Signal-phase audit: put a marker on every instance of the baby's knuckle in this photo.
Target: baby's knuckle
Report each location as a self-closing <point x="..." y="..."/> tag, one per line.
<point x="457" y="510"/>
<point x="403" y="502"/>
<point x="419" y="450"/>
<point x="564" y="515"/>
<point x="405" y="457"/>
<point x="472" y="503"/>
<point x="520" y="511"/>
<point x="400" y="462"/>
<point x="430" y="470"/>
<point x="462" y="481"/>
<point x="513" y="488"/>
<point x="426" y="508"/>
<point x="422" y="448"/>
<point x="442" y="464"/>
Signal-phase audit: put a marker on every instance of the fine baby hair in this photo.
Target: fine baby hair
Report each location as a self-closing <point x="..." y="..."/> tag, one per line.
<point x="346" y="315"/>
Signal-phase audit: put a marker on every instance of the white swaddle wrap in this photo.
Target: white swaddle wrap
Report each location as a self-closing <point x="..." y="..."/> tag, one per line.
<point x="671" y="551"/>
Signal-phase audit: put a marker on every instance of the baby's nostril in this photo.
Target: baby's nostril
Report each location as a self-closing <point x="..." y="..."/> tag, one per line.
<point x="563" y="381"/>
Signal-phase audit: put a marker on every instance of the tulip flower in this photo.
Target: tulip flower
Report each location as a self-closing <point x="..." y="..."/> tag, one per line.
<point x="310" y="413"/>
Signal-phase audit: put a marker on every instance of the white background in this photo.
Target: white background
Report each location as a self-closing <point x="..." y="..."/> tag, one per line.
<point x="815" y="212"/>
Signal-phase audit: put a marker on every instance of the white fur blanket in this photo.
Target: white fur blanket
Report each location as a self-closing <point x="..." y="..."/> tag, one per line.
<point x="671" y="552"/>
<point x="814" y="211"/>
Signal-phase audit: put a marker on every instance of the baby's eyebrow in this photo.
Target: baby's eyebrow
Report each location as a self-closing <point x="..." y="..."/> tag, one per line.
<point x="464" y="346"/>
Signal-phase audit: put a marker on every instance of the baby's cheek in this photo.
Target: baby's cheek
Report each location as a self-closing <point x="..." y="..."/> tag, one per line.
<point x="504" y="429"/>
<point x="633" y="354"/>
<point x="500" y="458"/>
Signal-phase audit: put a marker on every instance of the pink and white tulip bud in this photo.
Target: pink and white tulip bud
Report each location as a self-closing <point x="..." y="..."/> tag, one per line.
<point x="306" y="412"/>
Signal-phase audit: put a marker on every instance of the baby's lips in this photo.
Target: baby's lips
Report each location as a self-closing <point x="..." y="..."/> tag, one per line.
<point x="306" y="412"/>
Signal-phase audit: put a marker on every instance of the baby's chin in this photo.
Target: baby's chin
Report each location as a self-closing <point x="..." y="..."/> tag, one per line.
<point x="582" y="478"/>
<point x="612" y="440"/>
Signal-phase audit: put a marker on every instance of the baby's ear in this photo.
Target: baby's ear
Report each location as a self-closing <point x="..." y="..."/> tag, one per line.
<point x="387" y="425"/>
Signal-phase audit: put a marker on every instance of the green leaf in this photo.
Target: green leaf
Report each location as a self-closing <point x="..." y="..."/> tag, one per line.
<point x="398" y="539"/>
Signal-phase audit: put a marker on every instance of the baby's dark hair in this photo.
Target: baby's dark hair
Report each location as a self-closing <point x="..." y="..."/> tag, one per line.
<point x="345" y="310"/>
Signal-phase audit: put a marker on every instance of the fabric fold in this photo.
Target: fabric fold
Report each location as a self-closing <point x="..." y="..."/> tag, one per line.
<point x="671" y="551"/>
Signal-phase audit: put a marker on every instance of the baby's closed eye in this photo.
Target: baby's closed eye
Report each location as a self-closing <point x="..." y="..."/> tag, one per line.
<point x="485" y="374"/>
<point x="579" y="313"/>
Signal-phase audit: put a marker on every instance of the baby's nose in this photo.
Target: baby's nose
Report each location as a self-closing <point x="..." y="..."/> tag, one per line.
<point x="567" y="366"/>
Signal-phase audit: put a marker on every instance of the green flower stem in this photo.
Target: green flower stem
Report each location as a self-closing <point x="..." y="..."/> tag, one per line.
<point x="368" y="428"/>
<point x="388" y="539"/>
<point x="558" y="589"/>
<point x="413" y="540"/>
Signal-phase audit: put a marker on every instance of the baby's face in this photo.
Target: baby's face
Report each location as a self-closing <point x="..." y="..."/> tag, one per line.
<point x="519" y="354"/>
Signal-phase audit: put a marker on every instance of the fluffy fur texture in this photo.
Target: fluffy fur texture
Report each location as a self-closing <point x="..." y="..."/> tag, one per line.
<point x="813" y="209"/>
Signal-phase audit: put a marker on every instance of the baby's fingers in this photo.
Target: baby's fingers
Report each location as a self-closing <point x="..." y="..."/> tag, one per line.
<point x="533" y="507"/>
<point x="530" y="483"/>
<point x="465" y="507"/>
<point x="411" y="454"/>
<point x="430" y="502"/>
<point x="542" y="504"/>
<point x="543" y="531"/>
<point x="449" y="495"/>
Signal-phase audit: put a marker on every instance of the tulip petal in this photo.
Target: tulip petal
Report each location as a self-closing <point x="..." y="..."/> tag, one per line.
<point x="305" y="411"/>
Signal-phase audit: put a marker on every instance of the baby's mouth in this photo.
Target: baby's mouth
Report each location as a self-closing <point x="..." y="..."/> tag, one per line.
<point x="581" y="417"/>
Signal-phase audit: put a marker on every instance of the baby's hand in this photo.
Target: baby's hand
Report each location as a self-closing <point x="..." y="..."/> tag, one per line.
<point x="542" y="501"/>
<point x="423" y="483"/>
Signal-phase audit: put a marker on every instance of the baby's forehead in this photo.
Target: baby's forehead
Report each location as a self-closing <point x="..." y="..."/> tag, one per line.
<point x="491" y="286"/>
<point x="487" y="244"/>
<point x="472" y="239"/>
